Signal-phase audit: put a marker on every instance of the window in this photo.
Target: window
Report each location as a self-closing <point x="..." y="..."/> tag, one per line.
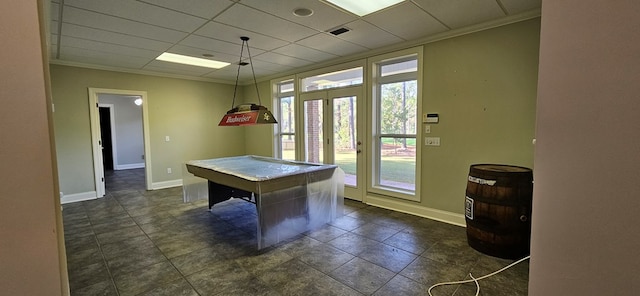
<point x="335" y="79"/>
<point x="395" y="125"/>
<point x="285" y="129"/>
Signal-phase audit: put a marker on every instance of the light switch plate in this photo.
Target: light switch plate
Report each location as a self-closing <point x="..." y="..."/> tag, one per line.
<point x="432" y="141"/>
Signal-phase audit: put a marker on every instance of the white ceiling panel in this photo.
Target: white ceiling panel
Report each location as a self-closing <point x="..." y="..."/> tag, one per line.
<point x="258" y="64"/>
<point x="54" y="11"/>
<point x="250" y="19"/>
<point x="460" y="13"/>
<point x="331" y="44"/>
<point x="407" y="21"/>
<point x="282" y="59"/>
<point x="174" y="68"/>
<point x="324" y="16"/>
<point x="87" y="56"/>
<point x="95" y="20"/>
<point x="141" y="12"/>
<point x="107" y="47"/>
<point x="303" y="52"/>
<point x="220" y="46"/>
<point x="230" y="34"/>
<point x="202" y="8"/>
<point x="76" y="31"/>
<point x="517" y="6"/>
<point x="129" y="34"/>
<point x="197" y="52"/>
<point x="368" y="35"/>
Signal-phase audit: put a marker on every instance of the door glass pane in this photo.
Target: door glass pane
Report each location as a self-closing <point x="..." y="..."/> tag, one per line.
<point x="313" y="121"/>
<point x="397" y="166"/>
<point x="344" y="137"/>
<point x="288" y="144"/>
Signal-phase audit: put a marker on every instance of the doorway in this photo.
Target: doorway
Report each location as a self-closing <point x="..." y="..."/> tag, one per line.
<point x="334" y="132"/>
<point x="106" y="135"/>
<point x="98" y="127"/>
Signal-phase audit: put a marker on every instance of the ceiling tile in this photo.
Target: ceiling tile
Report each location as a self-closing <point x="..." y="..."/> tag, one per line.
<point x="198" y="52"/>
<point x="407" y="21"/>
<point x="220" y="46"/>
<point x="258" y="64"/>
<point x="76" y="31"/>
<point x="108" y="48"/>
<point x="250" y="19"/>
<point x="331" y="44"/>
<point x="324" y="16"/>
<point x="368" y="35"/>
<point x="517" y="6"/>
<point x="281" y="59"/>
<point x="231" y="34"/>
<point x="303" y="52"/>
<point x="201" y="8"/>
<point x="141" y="12"/>
<point x="174" y="68"/>
<point x="460" y="13"/>
<point x="108" y="59"/>
<point x="109" y="23"/>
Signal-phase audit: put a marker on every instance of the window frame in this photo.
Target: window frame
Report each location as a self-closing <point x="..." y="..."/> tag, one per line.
<point x="374" y="128"/>
<point x="278" y="134"/>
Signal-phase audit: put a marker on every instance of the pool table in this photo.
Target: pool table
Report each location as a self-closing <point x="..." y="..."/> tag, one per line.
<point x="290" y="196"/>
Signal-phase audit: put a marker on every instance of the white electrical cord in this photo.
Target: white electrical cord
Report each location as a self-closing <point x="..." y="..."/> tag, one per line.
<point x="475" y="280"/>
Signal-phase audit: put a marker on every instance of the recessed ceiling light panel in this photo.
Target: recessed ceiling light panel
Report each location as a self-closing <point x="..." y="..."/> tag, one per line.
<point x="362" y="8"/>
<point x="193" y="61"/>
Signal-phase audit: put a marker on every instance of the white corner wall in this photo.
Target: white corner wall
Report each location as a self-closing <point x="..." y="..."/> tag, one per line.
<point x="586" y="225"/>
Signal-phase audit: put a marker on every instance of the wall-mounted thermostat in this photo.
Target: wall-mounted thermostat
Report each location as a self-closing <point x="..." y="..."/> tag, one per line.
<point x="430" y="118"/>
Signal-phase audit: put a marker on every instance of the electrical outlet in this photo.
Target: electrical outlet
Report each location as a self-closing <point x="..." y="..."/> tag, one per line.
<point x="427" y="129"/>
<point x="169" y="171"/>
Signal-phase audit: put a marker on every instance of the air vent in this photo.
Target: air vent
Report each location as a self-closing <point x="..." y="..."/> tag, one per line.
<point x="339" y="31"/>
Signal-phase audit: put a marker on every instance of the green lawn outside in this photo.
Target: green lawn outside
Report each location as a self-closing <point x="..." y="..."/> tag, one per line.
<point x="394" y="167"/>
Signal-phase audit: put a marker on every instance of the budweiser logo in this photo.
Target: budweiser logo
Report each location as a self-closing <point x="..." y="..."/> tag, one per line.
<point x="240" y="118"/>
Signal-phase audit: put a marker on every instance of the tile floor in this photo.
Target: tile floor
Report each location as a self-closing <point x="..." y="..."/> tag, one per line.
<point x="137" y="242"/>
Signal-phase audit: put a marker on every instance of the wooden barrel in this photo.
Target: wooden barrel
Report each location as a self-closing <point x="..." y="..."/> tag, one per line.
<point x="498" y="209"/>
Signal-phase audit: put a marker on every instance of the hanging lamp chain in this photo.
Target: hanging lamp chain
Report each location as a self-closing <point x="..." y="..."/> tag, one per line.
<point x="255" y="81"/>
<point x="235" y="88"/>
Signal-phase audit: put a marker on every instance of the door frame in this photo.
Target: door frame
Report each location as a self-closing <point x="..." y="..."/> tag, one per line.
<point x="95" y="135"/>
<point x="356" y="193"/>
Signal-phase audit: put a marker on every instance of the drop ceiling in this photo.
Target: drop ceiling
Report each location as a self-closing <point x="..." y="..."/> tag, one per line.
<point x="127" y="35"/>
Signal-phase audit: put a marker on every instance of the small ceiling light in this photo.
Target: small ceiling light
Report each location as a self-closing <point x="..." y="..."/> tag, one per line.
<point x="361" y="8"/>
<point x="193" y="61"/>
<point x="138" y="101"/>
<point x="246" y="114"/>
<point x="302" y="12"/>
<point x="207" y="55"/>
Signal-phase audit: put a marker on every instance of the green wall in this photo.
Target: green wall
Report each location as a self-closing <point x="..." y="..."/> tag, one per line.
<point x="187" y="111"/>
<point x="483" y="86"/>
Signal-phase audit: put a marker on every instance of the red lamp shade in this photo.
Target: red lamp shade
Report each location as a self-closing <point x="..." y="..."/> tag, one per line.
<point x="248" y="114"/>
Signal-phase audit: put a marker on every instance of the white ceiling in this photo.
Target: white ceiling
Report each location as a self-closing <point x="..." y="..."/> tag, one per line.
<point x="128" y="35"/>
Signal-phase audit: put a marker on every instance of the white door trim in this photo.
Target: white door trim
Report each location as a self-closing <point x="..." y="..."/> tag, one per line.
<point x="95" y="134"/>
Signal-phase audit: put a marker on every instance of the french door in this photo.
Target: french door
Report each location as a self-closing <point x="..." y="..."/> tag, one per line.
<point x="333" y="123"/>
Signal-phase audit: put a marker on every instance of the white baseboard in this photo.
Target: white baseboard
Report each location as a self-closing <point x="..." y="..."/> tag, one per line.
<point x="434" y="214"/>
<point x="166" y="184"/>
<point x="64" y="199"/>
<point x="129" y="166"/>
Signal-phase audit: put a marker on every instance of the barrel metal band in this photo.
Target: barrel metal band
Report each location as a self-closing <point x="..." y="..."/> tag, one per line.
<point x="481" y="181"/>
